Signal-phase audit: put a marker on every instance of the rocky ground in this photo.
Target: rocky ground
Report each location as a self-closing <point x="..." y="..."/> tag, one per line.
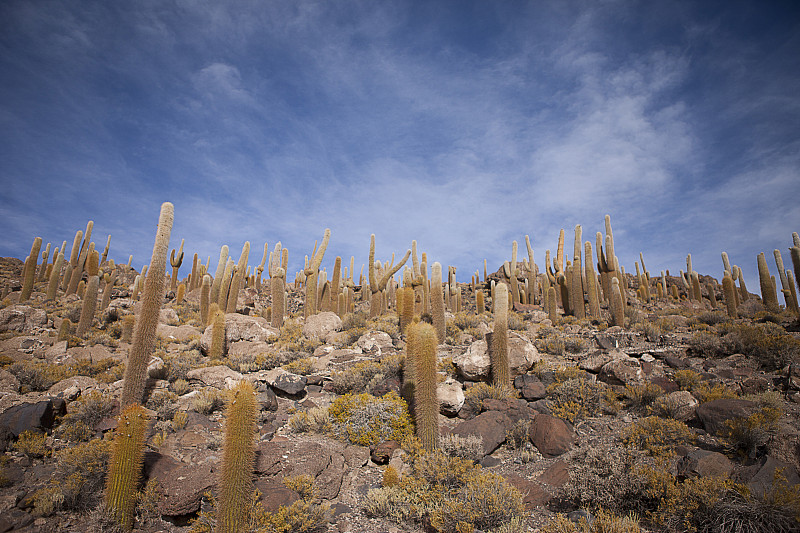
<point x="586" y="399"/>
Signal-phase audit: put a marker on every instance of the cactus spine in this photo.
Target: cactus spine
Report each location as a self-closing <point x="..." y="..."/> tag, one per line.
<point x="144" y="336"/>
<point x="421" y="347"/>
<point x="238" y="456"/>
<point x="90" y="295"/>
<point x="501" y="372"/>
<point x="126" y="465"/>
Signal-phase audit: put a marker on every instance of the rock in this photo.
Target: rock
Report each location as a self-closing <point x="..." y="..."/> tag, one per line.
<point x="23" y="318"/>
<point x="625" y="371"/>
<point x="763" y="481"/>
<point x="219" y="376"/>
<point x="8" y="382"/>
<point x="681" y="404"/>
<point x="605" y="342"/>
<point x="56" y="352"/>
<point x="705" y="463"/>
<point x="595" y="361"/>
<point x="181" y="485"/>
<point x="556" y="474"/>
<point x="533" y="495"/>
<point x="673" y="361"/>
<point x="32" y="416"/>
<point x="474" y="364"/>
<point x="382" y="452"/>
<point x="241" y="328"/>
<point x="168" y="316"/>
<point x="289" y="383"/>
<point x="323" y="463"/>
<point x="713" y="414"/>
<point x="451" y="397"/>
<point x="320" y="325"/>
<point x="551" y="436"/>
<point x="274" y="494"/>
<point x="530" y="387"/>
<point x="156" y="368"/>
<point x="491" y="426"/>
<point x="522" y="354"/>
<point x="374" y="342"/>
<point x="78" y="384"/>
<point x="267" y="400"/>
<point x="177" y="333"/>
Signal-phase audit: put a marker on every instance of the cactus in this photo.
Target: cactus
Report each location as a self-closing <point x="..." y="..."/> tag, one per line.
<point x="64" y="330"/>
<point x="501" y="372"/>
<point x="378" y="281"/>
<point x="336" y="283"/>
<point x="205" y="299"/>
<point x="480" y="304"/>
<point x="193" y="284"/>
<point x="422" y="342"/>
<point x="217" y="349"/>
<point x="73" y="260"/>
<point x="29" y="270"/>
<point x="223" y="261"/>
<point x="591" y="282"/>
<point x="43" y="267"/>
<point x="729" y="290"/>
<point x="260" y="267"/>
<point x="144" y="336"/>
<point x="617" y="309"/>
<point x="794" y="252"/>
<point x="312" y="272"/>
<point x="278" y="292"/>
<point x="181" y="293"/>
<point x="52" y="286"/>
<point x="697" y="294"/>
<point x="238" y="457"/>
<point x="225" y="284"/>
<point x="437" y="301"/>
<point x="552" y="305"/>
<point x="77" y="270"/>
<point x="125" y="465"/>
<point x="405" y="307"/>
<point x="112" y="278"/>
<point x="768" y="293"/>
<point x="176" y="265"/>
<point x="238" y="278"/>
<point x="90" y="295"/>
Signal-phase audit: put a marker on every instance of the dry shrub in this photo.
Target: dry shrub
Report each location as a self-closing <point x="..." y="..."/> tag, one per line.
<point x="474" y="396"/>
<point x="642" y="396"/>
<point x="604" y="522"/>
<point x="579" y="398"/>
<point x="767" y="343"/>
<point x="658" y="436"/>
<point x="366" y="420"/>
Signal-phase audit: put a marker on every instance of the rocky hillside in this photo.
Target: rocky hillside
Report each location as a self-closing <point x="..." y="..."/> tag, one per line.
<point x="680" y="419"/>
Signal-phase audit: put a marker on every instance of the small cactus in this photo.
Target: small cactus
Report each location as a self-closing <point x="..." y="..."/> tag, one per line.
<point x="421" y="347"/>
<point x="238" y="456"/>
<point x="205" y="299"/>
<point x="125" y="466"/>
<point x="501" y="371"/>
<point x="176" y="265"/>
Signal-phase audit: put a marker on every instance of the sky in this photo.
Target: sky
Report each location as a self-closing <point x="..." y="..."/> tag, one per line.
<point x="465" y="125"/>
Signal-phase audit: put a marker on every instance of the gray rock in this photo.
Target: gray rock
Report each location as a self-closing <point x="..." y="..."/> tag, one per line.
<point x="474" y="364"/>
<point x="320" y="325"/>
<point x="713" y="414"/>
<point x="451" y="397"/>
<point x="23" y="318"/>
<point x="32" y="416"/>
<point x="220" y="376"/>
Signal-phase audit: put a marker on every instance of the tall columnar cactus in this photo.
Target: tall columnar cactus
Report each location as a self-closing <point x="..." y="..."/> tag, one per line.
<point x="786" y="288"/>
<point x="144" y="336"/>
<point x="260" y="267"/>
<point x="405" y="307"/>
<point x="90" y="295"/>
<point x="794" y="251"/>
<point x="52" y="286"/>
<point x="437" y="301"/>
<point x="552" y="306"/>
<point x="193" y="276"/>
<point x="501" y="371"/>
<point x="205" y="299"/>
<point x="421" y="345"/>
<point x="744" y="295"/>
<point x="480" y="302"/>
<point x="513" y="273"/>
<point x="43" y="268"/>
<point x="218" y="275"/>
<point x="125" y="466"/>
<point x="378" y="280"/>
<point x="591" y="282"/>
<point x="112" y="278"/>
<point x="77" y="271"/>
<point x="29" y="270"/>
<point x="225" y="286"/>
<point x="238" y="279"/>
<point x="238" y="457"/>
<point x="217" y="349"/>
<point x="336" y="283"/>
<point x="73" y="260"/>
<point x="768" y="293"/>
<point x="533" y="289"/>
<point x="617" y="310"/>
<point x="729" y="290"/>
<point x="176" y="265"/>
<point x="104" y="257"/>
<point x="278" y="292"/>
<point x="312" y="272"/>
<point x="698" y="295"/>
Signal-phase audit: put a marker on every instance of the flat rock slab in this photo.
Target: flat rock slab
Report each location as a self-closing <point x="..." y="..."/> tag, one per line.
<point x="182" y="486"/>
<point x="324" y="463"/>
<point x="37" y="416"/>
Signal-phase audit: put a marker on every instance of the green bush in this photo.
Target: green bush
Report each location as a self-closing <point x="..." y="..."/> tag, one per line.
<point x="367" y="420"/>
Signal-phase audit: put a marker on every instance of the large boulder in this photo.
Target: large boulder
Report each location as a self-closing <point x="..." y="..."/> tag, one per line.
<point x="241" y="328"/>
<point x="522" y="354"/>
<point x="181" y="485"/>
<point x="374" y="342"/>
<point x="622" y="371"/>
<point x="451" y="397"/>
<point x="715" y="413"/>
<point x="8" y="382"/>
<point x="681" y="405"/>
<point x="705" y="463"/>
<point x="320" y="325"/>
<point x="551" y="436"/>
<point x="491" y="426"/>
<point x="37" y="416"/>
<point x="474" y="364"/>
<point x="221" y="376"/>
<point x="22" y="318"/>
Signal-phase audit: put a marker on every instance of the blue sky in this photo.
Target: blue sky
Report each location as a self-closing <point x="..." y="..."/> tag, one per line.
<point x="463" y="125"/>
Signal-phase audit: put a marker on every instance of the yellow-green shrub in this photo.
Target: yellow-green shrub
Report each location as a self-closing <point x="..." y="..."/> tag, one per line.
<point x="366" y="420"/>
<point x="658" y="436"/>
<point x="32" y="444"/>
